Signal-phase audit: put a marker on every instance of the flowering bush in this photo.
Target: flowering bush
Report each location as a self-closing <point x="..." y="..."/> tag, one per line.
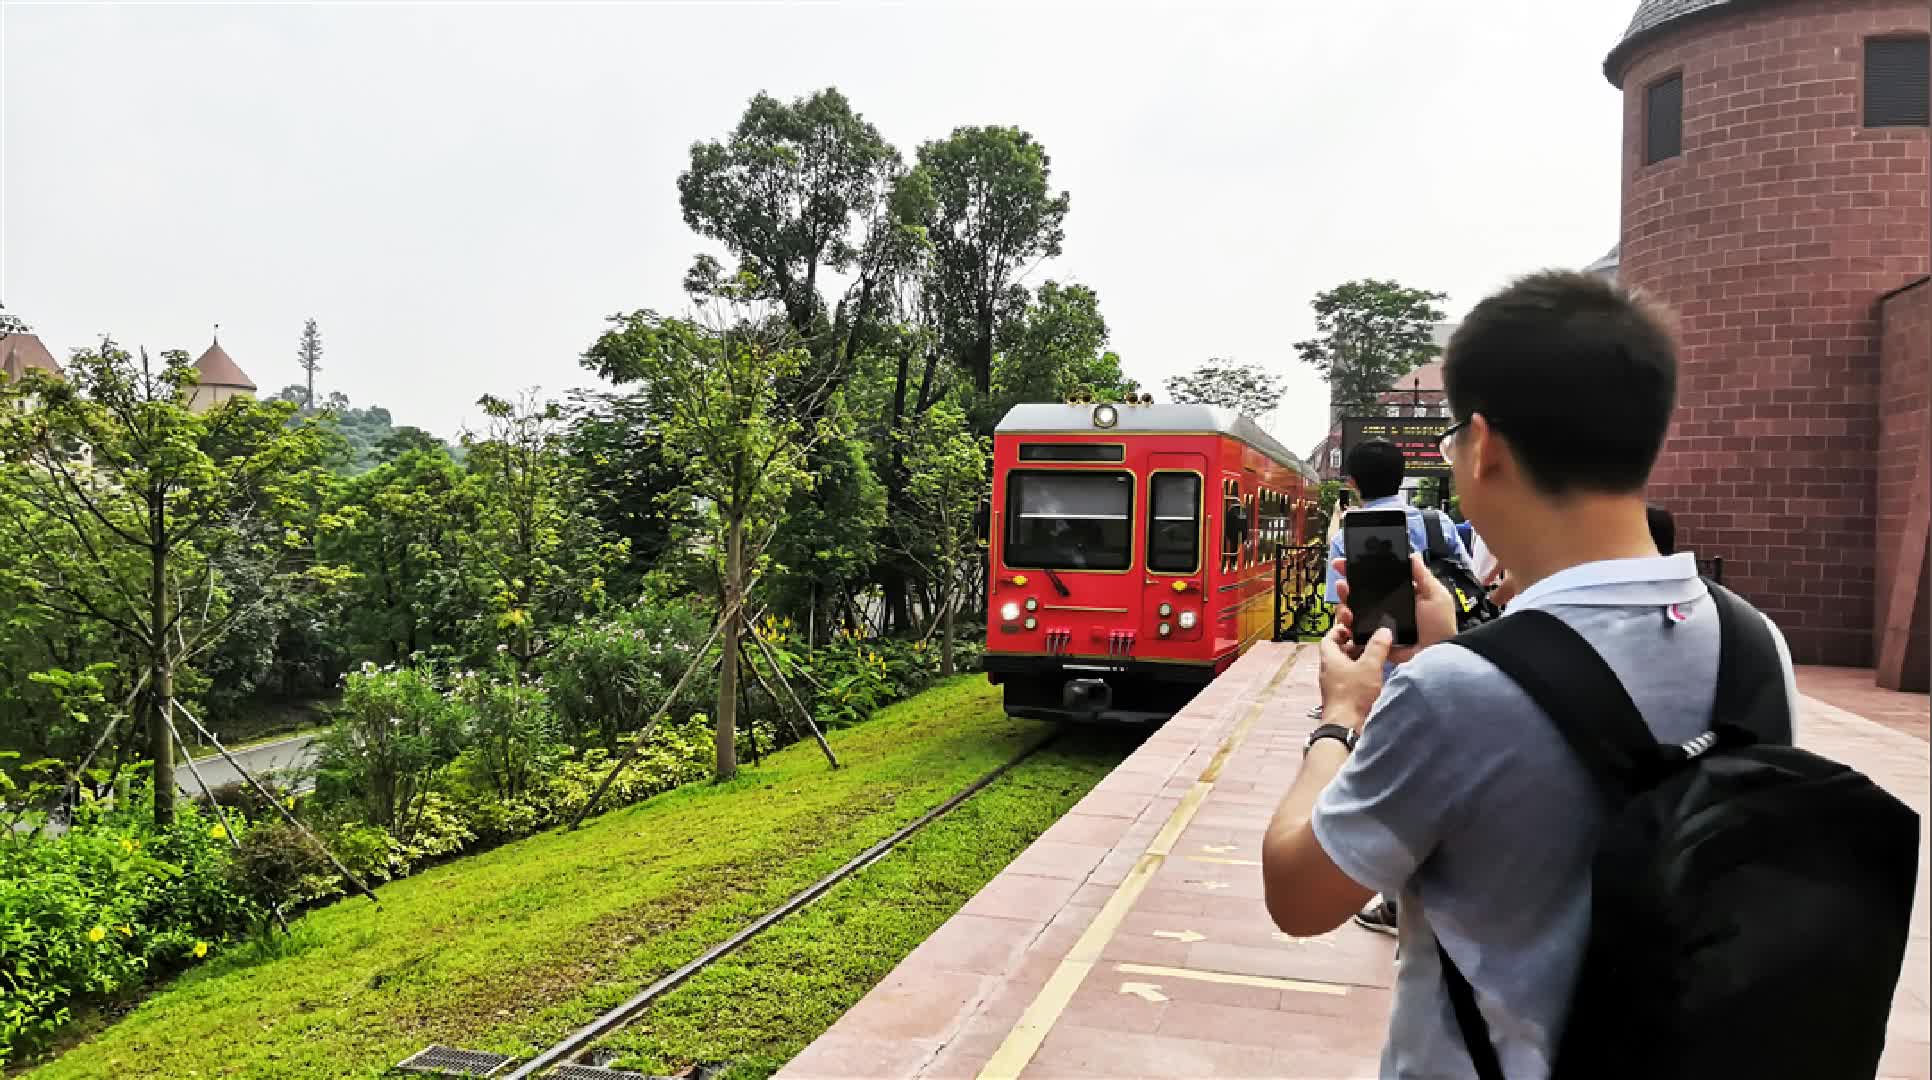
<point x="607" y="676"/>
<point x="395" y="730"/>
<point x="509" y="732"/>
<point x="94" y="911"/>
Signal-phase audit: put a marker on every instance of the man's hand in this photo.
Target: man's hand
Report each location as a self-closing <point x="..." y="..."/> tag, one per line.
<point x="1351" y="679"/>
<point x="1435" y="610"/>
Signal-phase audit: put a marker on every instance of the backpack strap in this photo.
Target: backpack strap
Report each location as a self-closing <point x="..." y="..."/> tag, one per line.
<point x="1576" y="689"/>
<point x="1469" y="1018"/>
<point x="1750" y="675"/>
<point x="1432" y="529"/>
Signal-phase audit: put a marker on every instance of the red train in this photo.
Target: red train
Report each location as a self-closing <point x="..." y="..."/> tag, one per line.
<point x="1132" y="553"/>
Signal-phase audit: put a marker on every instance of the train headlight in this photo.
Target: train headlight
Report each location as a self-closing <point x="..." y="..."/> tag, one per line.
<point x="1166" y="610"/>
<point x="1187" y="620"/>
<point x="1032" y="604"/>
<point x="1166" y="629"/>
<point x="1010" y="611"/>
<point x="1031" y="622"/>
<point x="1105" y="416"/>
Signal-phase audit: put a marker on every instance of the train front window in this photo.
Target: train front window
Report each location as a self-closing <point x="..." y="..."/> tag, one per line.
<point x="1174" y="527"/>
<point x="1070" y="520"/>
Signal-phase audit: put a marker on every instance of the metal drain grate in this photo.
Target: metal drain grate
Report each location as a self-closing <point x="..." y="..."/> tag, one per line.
<point x="449" y="1061"/>
<point x="575" y="1071"/>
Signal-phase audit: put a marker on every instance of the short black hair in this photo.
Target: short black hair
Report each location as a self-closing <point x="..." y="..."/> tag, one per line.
<point x="1376" y="468"/>
<point x="1663" y="530"/>
<point x="1577" y="374"/>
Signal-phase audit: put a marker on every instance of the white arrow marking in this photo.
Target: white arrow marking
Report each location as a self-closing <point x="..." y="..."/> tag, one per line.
<point x="1218" y="849"/>
<point x="1208" y="884"/>
<point x="1188" y="936"/>
<point x="1143" y="991"/>
<point x="1324" y="940"/>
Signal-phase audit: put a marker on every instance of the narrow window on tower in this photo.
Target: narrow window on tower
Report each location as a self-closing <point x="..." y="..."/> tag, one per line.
<point x="1664" y="120"/>
<point x="1897" y="90"/>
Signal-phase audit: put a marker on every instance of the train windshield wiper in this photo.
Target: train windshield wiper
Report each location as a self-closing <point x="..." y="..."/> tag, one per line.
<point x="1058" y="585"/>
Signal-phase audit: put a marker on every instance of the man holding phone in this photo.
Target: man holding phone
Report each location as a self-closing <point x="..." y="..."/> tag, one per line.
<point x="1444" y="783"/>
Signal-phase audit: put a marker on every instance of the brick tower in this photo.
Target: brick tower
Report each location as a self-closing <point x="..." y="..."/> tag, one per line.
<point x="1775" y="190"/>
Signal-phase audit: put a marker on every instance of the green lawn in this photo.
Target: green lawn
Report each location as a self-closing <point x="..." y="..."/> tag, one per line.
<point x="509" y="949"/>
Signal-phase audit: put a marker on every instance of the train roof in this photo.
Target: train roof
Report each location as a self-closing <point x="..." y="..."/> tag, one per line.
<point x="1164" y="419"/>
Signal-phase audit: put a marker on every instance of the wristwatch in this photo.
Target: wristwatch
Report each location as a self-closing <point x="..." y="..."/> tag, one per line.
<point x="1338" y="732"/>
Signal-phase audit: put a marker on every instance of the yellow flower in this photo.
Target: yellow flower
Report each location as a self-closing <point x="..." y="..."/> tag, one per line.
<point x="126" y="931"/>
<point x="218" y="832"/>
<point x="201" y="949"/>
<point x="127" y="845"/>
<point x="97" y="933"/>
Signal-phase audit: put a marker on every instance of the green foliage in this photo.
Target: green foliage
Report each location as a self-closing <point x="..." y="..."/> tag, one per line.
<point x="394" y="731"/>
<point x="97" y="910"/>
<point x="983" y="197"/>
<point x="1054" y="348"/>
<point x="538" y="554"/>
<point x="396" y="531"/>
<point x="607" y="676"/>
<point x="509" y="734"/>
<point x="782" y="193"/>
<point x="1248" y="389"/>
<point x="1370" y="333"/>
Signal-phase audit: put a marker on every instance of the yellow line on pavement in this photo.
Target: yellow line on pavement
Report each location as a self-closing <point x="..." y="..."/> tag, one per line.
<point x="1225" y="862"/>
<point x="1024" y="1040"/>
<point x="1228" y="978"/>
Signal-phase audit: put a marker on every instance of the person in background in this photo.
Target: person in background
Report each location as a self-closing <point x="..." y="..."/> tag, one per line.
<point x="1342" y="500"/>
<point x="1375" y="469"/>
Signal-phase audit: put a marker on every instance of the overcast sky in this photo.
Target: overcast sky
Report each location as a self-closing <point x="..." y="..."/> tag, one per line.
<point x="461" y="192"/>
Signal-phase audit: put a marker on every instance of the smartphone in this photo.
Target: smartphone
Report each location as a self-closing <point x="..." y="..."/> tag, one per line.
<point x="1381" y="590"/>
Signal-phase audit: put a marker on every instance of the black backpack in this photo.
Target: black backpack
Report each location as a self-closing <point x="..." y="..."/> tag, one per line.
<point x="1473" y="607"/>
<point x="1750" y="901"/>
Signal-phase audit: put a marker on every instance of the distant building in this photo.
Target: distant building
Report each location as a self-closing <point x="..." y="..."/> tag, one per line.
<point x="1419" y="393"/>
<point x="21" y="353"/>
<point x="221" y="380"/>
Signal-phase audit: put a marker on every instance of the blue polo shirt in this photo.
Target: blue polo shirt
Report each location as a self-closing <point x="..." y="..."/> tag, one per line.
<point x="1463" y="801"/>
<point x="1418" y="536"/>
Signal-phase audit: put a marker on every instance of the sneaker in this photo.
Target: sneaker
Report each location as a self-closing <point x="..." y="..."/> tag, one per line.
<point x="1315" y="713"/>
<point x="1379" y="917"/>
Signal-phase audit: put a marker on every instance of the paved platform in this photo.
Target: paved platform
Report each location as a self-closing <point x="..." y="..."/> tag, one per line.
<point x="1130" y="940"/>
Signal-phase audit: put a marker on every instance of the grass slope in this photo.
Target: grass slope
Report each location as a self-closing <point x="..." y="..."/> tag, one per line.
<point x="509" y="949"/>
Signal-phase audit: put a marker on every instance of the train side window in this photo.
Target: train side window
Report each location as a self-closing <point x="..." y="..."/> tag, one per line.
<point x="1174" y="526"/>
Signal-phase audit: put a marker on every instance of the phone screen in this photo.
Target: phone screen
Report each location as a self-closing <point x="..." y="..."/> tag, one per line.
<point x="1381" y="591"/>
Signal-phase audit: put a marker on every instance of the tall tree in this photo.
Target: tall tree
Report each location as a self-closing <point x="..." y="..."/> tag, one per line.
<point x="124" y="508"/>
<point x="946" y="464"/>
<point x="309" y="356"/>
<point x="1056" y="346"/>
<point x="983" y="196"/>
<point x="783" y="194"/>
<point x="1370" y="333"/>
<point x="396" y="530"/>
<point x="539" y="552"/>
<point x="1249" y="389"/>
<point x="733" y="418"/>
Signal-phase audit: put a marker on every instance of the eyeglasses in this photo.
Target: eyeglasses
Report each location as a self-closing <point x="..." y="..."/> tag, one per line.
<point x="1449" y="439"/>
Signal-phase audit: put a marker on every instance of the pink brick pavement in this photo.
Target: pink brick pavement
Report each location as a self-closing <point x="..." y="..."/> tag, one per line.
<point x="948" y="1007"/>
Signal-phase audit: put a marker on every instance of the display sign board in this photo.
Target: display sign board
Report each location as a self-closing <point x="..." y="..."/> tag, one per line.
<point x="1418" y="437"/>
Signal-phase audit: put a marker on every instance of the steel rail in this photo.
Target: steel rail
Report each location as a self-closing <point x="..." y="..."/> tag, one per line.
<point x="583" y="1038"/>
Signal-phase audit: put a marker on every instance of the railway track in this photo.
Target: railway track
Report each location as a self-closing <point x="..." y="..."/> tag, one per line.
<point x="570" y="1058"/>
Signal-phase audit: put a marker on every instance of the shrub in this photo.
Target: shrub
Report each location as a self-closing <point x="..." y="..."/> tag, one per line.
<point x="392" y="734"/>
<point x="94" y="911"/>
<point x="277" y="863"/>
<point x="608" y="676"/>
<point x="510" y="734"/>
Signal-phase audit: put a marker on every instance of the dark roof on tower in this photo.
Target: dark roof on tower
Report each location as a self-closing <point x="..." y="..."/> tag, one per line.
<point x="1651" y="17"/>
<point x="218" y="369"/>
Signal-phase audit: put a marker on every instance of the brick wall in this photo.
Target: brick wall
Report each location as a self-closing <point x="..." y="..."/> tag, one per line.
<point x="1772" y="236"/>
<point x="1900" y="646"/>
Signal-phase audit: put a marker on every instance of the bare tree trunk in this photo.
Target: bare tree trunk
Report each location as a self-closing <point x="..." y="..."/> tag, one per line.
<point x="161" y="695"/>
<point x="726" y="738"/>
<point x="951" y="600"/>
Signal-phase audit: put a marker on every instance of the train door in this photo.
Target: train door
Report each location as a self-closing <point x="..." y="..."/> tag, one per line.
<point x="1177" y="556"/>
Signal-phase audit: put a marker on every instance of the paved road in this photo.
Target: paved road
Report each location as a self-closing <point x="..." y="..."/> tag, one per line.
<point x="269" y="757"/>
